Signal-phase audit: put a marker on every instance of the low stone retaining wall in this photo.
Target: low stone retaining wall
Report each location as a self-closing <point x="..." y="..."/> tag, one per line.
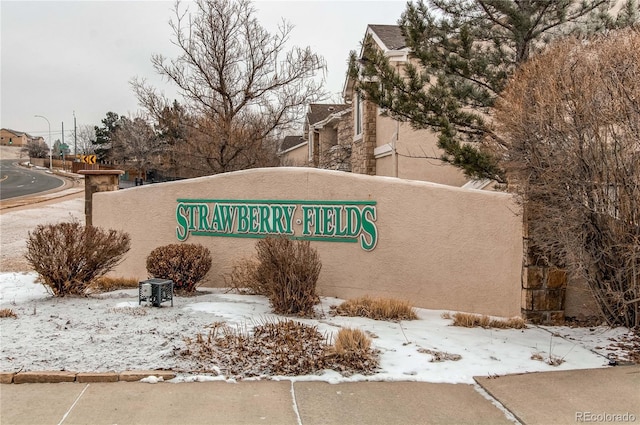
<point x="54" y="377"/>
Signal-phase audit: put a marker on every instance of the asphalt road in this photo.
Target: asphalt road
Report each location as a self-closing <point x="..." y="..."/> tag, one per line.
<point x="19" y="181"/>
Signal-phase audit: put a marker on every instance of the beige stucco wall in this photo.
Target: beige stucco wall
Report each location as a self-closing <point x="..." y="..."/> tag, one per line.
<point x="297" y="157"/>
<point x="418" y="154"/>
<point x="16" y="140"/>
<point x="439" y="247"/>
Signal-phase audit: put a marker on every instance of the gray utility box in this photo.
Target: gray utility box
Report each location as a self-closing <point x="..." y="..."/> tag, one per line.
<point x="155" y="291"/>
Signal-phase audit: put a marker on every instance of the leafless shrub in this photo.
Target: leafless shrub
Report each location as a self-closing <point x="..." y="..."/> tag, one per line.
<point x="69" y="256"/>
<point x="289" y="271"/>
<point x="244" y="278"/>
<point x="7" y="312"/>
<point x="185" y="264"/>
<point x="468" y="320"/>
<point x="108" y="284"/>
<point x="440" y="356"/>
<point x="571" y="122"/>
<point x="377" y="309"/>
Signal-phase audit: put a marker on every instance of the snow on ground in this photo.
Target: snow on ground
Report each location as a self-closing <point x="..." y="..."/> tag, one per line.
<point x="15" y="225"/>
<point x="111" y="332"/>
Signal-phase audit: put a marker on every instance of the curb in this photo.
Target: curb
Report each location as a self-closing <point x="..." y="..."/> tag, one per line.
<point x="56" y="376"/>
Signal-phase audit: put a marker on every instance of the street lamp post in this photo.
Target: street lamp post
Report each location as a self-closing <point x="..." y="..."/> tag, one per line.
<point x="50" y="146"/>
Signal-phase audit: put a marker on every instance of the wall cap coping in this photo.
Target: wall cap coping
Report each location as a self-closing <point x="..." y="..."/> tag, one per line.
<point x="101" y="172"/>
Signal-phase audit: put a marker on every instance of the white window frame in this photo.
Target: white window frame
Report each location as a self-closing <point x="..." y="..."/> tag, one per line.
<point x="358" y="117"/>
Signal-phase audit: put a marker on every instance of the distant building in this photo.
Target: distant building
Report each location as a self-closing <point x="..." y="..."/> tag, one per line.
<point x="357" y="136"/>
<point x="293" y="151"/>
<point x="10" y="137"/>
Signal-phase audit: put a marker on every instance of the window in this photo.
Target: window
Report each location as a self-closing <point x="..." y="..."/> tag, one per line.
<point x="358" y="115"/>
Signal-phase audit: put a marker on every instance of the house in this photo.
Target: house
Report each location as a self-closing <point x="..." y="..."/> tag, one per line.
<point x="383" y="146"/>
<point x="325" y="141"/>
<point x="326" y="129"/>
<point x="356" y="136"/>
<point x="293" y="152"/>
<point x="10" y="137"/>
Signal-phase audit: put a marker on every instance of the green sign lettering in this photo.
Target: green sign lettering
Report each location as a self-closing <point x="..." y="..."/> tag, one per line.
<point x="330" y="221"/>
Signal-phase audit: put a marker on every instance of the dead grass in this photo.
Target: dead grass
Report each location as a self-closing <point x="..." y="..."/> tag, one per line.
<point x="440" y="356"/>
<point x="131" y="311"/>
<point x="550" y="360"/>
<point x="7" y="312"/>
<point x="468" y="320"/>
<point x="376" y="308"/>
<point x="284" y="347"/>
<point x="108" y="284"/>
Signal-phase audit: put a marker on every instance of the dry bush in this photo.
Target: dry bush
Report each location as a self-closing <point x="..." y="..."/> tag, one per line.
<point x="108" y="284"/>
<point x="289" y="271"/>
<point x="571" y="124"/>
<point x="69" y="256"/>
<point x="468" y="320"/>
<point x="244" y="278"/>
<point x="184" y="264"/>
<point x="377" y="309"/>
<point x="7" y="312"/>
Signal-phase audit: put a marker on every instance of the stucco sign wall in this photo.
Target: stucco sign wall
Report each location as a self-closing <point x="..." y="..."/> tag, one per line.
<point x="437" y="246"/>
<point x="320" y="221"/>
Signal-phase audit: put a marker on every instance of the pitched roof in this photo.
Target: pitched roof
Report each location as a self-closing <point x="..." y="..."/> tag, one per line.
<point x="291" y="141"/>
<point x="319" y="111"/>
<point x="22" y="133"/>
<point x="390" y="35"/>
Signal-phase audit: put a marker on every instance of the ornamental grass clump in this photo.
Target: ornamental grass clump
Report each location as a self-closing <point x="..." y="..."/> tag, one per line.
<point x="185" y="264"/>
<point x="7" y="313"/>
<point x="69" y="256"/>
<point x="352" y="352"/>
<point x="108" y="284"/>
<point x="469" y="320"/>
<point x="376" y="308"/>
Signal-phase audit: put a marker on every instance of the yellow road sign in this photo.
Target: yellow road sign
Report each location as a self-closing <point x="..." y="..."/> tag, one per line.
<point x="88" y="159"/>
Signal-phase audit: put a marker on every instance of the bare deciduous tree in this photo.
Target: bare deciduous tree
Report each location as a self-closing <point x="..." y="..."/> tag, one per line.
<point x="135" y="143"/>
<point x="85" y="137"/>
<point x="240" y="81"/>
<point x="571" y="117"/>
<point x="36" y="148"/>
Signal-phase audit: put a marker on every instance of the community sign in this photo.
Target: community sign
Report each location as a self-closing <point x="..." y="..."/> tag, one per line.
<point x="329" y="221"/>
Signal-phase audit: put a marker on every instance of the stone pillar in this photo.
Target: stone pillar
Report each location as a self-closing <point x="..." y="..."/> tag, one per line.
<point x="543" y="295"/>
<point x="97" y="181"/>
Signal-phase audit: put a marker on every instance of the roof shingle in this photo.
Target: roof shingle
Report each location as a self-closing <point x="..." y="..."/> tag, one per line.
<point x="390" y="35"/>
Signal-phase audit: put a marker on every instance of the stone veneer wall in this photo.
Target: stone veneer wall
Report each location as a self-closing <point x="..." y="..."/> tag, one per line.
<point x="543" y="294"/>
<point x="362" y="158"/>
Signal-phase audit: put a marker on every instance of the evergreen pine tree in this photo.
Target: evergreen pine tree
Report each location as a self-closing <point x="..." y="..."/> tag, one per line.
<point x="462" y="54"/>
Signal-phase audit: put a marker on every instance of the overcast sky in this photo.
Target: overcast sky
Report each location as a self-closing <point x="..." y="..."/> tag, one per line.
<point x="58" y="57"/>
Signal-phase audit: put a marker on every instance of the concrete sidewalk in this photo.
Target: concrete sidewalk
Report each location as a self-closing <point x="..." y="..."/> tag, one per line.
<point x="249" y="402"/>
<point x="539" y="398"/>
